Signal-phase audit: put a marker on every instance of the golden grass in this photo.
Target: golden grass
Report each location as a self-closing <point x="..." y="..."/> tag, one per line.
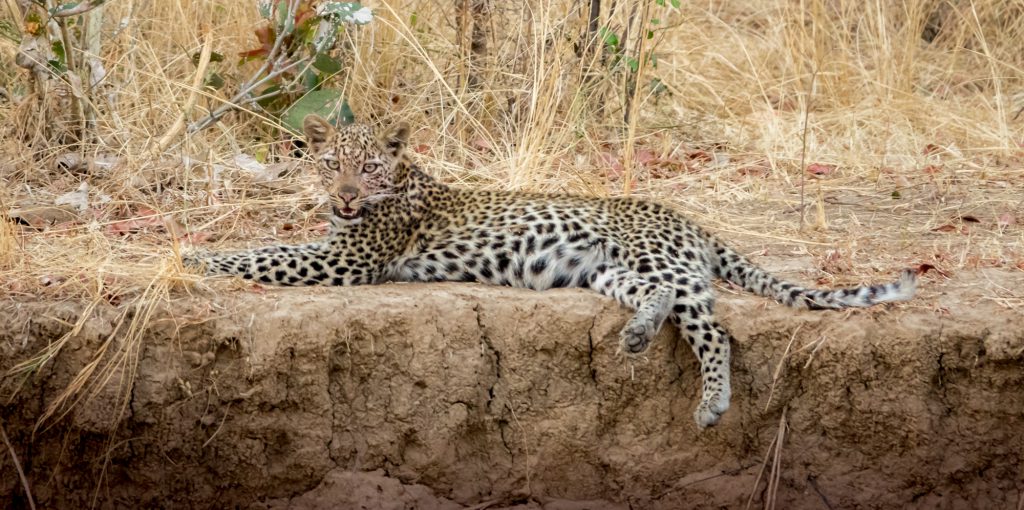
<point x="917" y="138"/>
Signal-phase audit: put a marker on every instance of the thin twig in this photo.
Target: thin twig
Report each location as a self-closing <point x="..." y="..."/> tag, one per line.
<point x="17" y="466"/>
<point x="773" y="477"/>
<point x="773" y="480"/>
<point x="485" y="505"/>
<point x="803" y="137"/>
<point x="813" y="481"/>
<point x="224" y="419"/>
<point x="778" y="368"/>
<point x="760" y="472"/>
<point x="633" y="98"/>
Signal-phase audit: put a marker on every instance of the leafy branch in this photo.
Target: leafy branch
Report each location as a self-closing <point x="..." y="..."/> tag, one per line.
<point x="296" y="41"/>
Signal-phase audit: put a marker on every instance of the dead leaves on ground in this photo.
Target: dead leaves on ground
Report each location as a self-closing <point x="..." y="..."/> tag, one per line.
<point x="821" y="169"/>
<point x="963" y="224"/>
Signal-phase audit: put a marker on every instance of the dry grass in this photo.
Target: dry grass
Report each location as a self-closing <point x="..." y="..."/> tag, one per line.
<point x="17" y="467"/>
<point x="914" y="139"/>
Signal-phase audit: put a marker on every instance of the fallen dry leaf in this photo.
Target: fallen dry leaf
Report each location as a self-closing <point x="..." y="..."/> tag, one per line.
<point x="761" y="169"/>
<point x="932" y="169"/>
<point x="79" y="199"/>
<point x="611" y="160"/>
<point x="40" y="216"/>
<point x="931" y="149"/>
<point x="48" y="280"/>
<point x="145" y="218"/>
<point x="645" y="157"/>
<point x="195" y="238"/>
<point x="481" y="144"/>
<point x="700" y="155"/>
<point x="924" y="268"/>
<point x="820" y="169"/>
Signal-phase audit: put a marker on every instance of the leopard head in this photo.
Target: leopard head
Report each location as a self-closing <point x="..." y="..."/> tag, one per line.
<point x="357" y="166"/>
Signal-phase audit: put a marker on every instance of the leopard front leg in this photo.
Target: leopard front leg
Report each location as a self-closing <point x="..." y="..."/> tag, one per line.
<point x="652" y="302"/>
<point x="308" y="264"/>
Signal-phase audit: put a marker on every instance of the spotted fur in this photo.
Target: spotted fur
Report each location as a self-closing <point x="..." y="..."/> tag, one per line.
<point x="410" y="227"/>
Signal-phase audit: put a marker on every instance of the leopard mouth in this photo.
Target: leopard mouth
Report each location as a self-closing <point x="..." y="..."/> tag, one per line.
<point x="346" y="212"/>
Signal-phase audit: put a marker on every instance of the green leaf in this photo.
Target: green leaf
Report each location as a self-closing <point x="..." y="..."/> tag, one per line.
<point x="657" y="87"/>
<point x="412" y="19"/>
<point x="675" y="3"/>
<point x="59" y="64"/>
<point x="660" y="2"/>
<point x="650" y="34"/>
<point x="609" y="37"/>
<point x="345" y="12"/>
<point x="282" y="13"/>
<point x="264" y="6"/>
<point x="326" y="64"/>
<point x="310" y="80"/>
<point x="267" y="101"/>
<point x="328" y="103"/>
<point x="896" y="195"/>
<point x="325" y="35"/>
<point x="214" y="81"/>
<point x="633" y="64"/>
<point x="58" y="51"/>
<point x="655" y="21"/>
<point x="63" y="7"/>
<point x="214" y="57"/>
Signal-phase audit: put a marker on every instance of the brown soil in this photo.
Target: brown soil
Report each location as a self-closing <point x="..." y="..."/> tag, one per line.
<point x="455" y="395"/>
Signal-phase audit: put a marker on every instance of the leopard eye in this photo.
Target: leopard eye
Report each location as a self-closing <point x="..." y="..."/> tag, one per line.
<point x="370" y="168"/>
<point x="333" y="164"/>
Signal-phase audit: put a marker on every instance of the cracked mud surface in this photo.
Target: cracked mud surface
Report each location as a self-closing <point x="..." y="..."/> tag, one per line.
<point x="455" y="395"/>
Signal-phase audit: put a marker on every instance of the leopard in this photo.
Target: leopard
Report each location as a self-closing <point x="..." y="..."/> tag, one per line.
<point x="392" y="222"/>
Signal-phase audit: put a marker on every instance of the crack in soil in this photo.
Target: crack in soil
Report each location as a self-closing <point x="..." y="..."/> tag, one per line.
<point x="495" y="355"/>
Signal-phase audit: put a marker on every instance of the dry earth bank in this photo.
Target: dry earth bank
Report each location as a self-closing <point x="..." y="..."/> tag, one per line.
<point x="455" y="395"/>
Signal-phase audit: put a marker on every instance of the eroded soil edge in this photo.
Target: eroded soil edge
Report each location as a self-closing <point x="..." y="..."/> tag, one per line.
<point x="445" y="396"/>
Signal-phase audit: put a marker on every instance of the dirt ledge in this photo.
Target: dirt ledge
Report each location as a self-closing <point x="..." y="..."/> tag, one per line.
<point x="454" y="395"/>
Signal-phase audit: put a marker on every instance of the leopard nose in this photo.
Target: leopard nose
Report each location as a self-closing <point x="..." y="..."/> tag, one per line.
<point x="348" y="194"/>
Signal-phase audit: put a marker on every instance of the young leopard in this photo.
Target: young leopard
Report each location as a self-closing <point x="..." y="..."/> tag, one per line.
<point x="392" y="222"/>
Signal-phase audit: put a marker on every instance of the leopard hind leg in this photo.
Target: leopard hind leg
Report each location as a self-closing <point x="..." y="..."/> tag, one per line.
<point x="693" y="312"/>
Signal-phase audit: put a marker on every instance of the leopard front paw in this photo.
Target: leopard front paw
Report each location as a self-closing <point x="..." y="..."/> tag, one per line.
<point x="636" y="336"/>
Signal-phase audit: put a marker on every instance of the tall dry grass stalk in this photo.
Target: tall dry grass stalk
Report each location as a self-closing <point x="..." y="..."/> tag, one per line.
<point x="8" y="243"/>
<point x="916" y="133"/>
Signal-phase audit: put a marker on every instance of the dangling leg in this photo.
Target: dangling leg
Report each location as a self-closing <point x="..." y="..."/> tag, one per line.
<point x="693" y="311"/>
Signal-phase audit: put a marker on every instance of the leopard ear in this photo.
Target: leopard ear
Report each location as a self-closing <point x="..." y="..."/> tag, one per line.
<point x="317" y="130"/>
<point x="396" y="138"/>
